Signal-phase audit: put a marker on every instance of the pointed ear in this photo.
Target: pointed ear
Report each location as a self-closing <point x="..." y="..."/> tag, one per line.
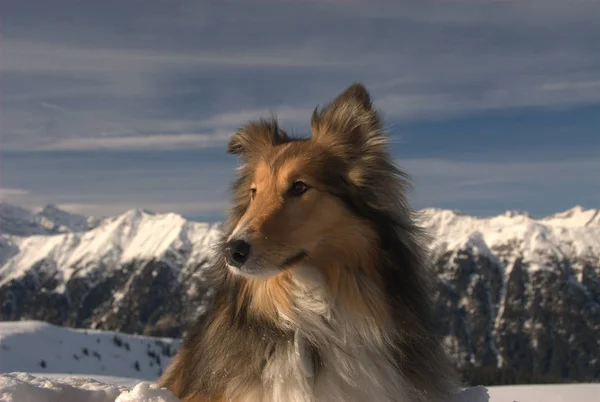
<point x="349" y="119"/>
<point x="351" y="128"/>
<point x="355" y="94"/>
<point x="256" y="137"/>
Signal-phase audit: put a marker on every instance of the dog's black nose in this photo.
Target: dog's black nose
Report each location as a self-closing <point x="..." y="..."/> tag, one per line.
<point x="237" y="252"/>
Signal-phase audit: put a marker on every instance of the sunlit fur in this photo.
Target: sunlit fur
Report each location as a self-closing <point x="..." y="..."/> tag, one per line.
<point x="338" y="273"/>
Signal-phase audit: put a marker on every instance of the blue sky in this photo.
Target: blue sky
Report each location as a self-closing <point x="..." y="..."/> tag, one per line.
<point x="106" y="106"/>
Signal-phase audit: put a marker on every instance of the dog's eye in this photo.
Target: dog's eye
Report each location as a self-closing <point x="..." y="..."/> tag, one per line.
<point x="252" y="193"/>
<point x="298" y="188"/>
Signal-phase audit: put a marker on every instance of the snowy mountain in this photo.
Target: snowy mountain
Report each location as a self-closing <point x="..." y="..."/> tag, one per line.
<point x="48" y="220"/>
<point x="519" y="293"/>
<point x="517" y="296"/>
<point x="138" y="272"/>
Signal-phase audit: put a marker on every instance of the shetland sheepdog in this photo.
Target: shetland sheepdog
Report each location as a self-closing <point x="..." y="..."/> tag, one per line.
<point x="321" y="283"/>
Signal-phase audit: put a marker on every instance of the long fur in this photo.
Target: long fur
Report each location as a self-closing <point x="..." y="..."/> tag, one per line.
<point x="352" y="319"/>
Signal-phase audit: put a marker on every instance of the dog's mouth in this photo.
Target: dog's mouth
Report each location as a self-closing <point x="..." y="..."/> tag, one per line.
<point x="256" y="269"/>
<point x="294" y="259"/>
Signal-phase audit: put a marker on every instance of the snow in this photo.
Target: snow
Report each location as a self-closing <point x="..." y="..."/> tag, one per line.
<point x="27" y="346"/>
<point x="23" y="387"/>
<point x="50" y="219"/>
<point x="135" y="235"/>
<point x="574" y="234"/>
<point x="575" y="217"/>
<point x="77" y="364"/>
<point x="545" y="393"/>
<point x="142" y="235"/>
<point x="113" y="377"/>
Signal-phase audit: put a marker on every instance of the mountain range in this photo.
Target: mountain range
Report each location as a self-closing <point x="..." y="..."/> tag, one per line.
<point x="517" y="297"/>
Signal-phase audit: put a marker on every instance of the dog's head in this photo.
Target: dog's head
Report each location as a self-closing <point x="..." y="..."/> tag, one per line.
<point x="307" y="200"/>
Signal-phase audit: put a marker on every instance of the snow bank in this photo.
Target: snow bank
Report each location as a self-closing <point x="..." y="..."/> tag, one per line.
<point x="23" y="387"/>
<point x="546" y="393"/>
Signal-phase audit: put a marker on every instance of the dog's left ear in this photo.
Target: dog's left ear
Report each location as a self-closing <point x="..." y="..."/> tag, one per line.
<point x="255" y="137"/>
<point x="349" y="120"/>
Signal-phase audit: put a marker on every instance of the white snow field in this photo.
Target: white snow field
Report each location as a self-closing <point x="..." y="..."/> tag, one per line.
<point x="42" y="362"/>
<point x="97" y="366"/>
<point x="34" y="346"/>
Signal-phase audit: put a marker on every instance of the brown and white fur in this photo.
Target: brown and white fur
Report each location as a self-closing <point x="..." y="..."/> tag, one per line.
<point x="330" y="301"/>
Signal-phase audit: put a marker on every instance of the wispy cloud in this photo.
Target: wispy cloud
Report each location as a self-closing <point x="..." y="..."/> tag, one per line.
<point x="120" y="77"/>
<point x="515" y="185"/>
<point x="193" y="182"/>
<point x="287" y="114"/>
<point x="12" y="194"/>
<point x="146" y="142"/>
<point x="562" y="86"/>
<point x="499" y="171"/>
<point x="111" y="209"/>
<point x="212" y="66"/>
<point x="32" y="57"/>
<point x="443" y="105"/>
<point x="55" y="107"/>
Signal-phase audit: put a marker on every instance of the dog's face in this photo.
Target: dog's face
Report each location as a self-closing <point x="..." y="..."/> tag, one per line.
<point x="293" y="198"/>
<point x="291" y="211"/>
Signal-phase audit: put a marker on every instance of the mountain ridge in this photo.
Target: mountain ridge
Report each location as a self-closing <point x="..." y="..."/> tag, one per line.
<point x="48" y="220"/>
<point x="513" y="292"/>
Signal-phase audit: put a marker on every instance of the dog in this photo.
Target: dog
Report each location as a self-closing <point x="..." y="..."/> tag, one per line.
<point x="322" y="290"/>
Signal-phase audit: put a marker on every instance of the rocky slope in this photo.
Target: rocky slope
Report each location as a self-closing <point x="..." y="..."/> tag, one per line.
<point x="520" y="293"/>
<point x="136" y="273"/>
<point x="515" y="293"/>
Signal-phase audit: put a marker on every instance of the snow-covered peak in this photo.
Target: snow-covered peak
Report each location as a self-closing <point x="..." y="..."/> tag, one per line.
<point x="514" y="213"/>
<point x="139" y="234"/>
<point x="15" y="220"/>
<point x="575" y="217"/>
<point x="57" y="220"/>
<point x="574" y="233"/>
<point x="135" y="235"/>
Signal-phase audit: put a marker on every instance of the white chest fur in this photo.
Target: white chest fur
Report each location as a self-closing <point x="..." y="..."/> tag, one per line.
<point x="355" y="363"/>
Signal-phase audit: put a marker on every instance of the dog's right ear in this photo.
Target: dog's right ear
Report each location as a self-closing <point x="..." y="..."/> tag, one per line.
<point x="256" y="137"/>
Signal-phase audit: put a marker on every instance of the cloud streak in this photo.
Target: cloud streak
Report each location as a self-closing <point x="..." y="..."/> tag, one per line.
<point x="122" y="105"/>
<point x="112" y="209"/>
<point x="210" y="66"/>
<point x="472" y="185"/>
<point x="12" y="194"/>
<point x="147" y="142"/>
<point x="193" y="184"/>
<point x="32" y="57"/>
